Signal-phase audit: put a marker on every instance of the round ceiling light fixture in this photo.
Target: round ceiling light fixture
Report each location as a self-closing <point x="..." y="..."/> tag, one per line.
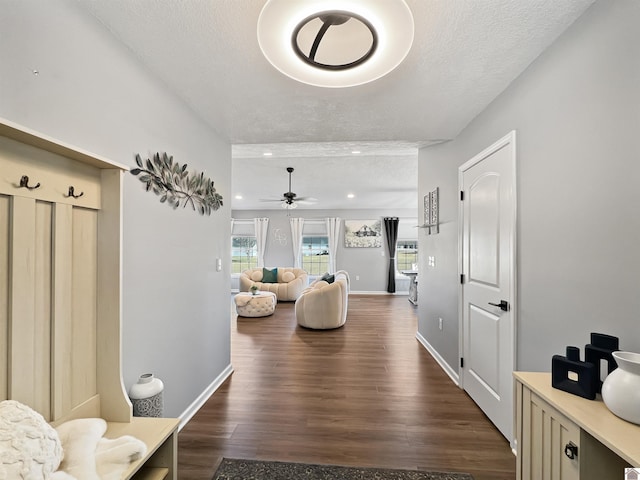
<point x="351" y="41"/>
<point x="335" y="43"/>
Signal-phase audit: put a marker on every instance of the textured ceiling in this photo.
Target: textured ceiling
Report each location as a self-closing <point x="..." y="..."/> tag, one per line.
<point x="328" y="172"/>
<point x="465" y="53"/>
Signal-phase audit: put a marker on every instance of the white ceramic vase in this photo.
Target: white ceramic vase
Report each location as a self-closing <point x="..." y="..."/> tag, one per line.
<point x="621" y="388"/>
<point x="146" y="396"/>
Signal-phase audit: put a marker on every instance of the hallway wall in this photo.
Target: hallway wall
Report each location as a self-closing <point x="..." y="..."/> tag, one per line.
<point x="576" y="111"/>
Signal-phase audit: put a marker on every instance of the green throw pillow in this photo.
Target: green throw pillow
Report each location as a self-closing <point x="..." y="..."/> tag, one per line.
<point x="328" y="278"/>
<point x="269" y="276"/>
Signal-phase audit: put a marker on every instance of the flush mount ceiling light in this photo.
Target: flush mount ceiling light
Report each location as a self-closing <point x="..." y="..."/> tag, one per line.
<point x="335" y="43"/>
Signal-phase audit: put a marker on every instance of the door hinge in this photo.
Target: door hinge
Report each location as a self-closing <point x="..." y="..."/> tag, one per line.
<point x="461" y="196"/>
<point x="462" y="278"/>
<point x="461" y="362"/>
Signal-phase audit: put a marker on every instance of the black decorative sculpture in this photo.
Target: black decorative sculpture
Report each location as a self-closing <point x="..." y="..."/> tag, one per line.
<point x="583" y="378"/>
<point x="573" y="376"/>
<point x="601" y="348"/>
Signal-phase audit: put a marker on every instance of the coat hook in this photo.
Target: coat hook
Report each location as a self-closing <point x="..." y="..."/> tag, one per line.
<point x="24" y="182"/>
<point x="72" y="193"/>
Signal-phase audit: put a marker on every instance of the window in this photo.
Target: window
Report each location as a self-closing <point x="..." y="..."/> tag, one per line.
<point x="315" y="254"/>
<point x="406" y="254"/>
<point x="244" y="253"/>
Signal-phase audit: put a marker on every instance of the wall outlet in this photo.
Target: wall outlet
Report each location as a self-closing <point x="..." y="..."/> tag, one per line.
<point x="357" y="277"/>
<point x="431" y="261"/>
<point x="440" y="324"/>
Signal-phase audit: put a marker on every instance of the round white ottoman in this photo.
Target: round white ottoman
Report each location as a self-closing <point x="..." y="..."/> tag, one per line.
<point x="261" y="304"/>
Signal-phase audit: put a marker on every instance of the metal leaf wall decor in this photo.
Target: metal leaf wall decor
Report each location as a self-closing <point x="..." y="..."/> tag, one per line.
<point x="175" y="185"/>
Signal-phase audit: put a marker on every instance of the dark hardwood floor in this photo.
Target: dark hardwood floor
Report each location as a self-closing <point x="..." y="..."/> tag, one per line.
<point x="367" y="394"/>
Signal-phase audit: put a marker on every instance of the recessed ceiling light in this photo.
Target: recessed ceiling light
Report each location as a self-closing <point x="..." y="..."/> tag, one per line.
<point x="238" y="197"/>
<point x="355" y="152"/>
<point x="350" y="195"/>
<point x="335" y="43"/>
<point x="267" y="154"/>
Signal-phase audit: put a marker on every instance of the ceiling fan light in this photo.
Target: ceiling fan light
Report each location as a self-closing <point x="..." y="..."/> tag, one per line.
<point x="388" y="23"/>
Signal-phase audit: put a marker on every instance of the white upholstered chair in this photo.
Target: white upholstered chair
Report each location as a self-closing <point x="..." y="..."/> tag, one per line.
<point x="324" y="305"/>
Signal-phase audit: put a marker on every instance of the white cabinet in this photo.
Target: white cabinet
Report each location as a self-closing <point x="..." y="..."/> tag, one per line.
<point x="545" y="435"/>
<point x="561" y="436"/>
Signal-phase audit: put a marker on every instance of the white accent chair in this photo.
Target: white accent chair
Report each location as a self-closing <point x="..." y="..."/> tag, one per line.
<point x="324" y="305"/>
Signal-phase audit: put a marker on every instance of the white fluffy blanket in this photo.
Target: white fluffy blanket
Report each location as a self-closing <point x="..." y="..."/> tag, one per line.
<point x="90" y="456"/>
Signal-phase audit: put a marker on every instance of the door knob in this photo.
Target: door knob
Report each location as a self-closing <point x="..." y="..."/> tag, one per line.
<point x="504" y="305"/>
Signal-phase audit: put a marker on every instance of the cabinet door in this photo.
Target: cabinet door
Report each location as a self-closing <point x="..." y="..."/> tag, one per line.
<point x="544" y="435"/>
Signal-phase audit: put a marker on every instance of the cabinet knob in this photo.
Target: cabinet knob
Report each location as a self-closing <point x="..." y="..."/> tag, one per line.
<point x="571" y="450"/>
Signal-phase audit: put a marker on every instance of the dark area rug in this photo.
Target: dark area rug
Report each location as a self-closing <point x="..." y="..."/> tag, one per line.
<point x="233" y="469"/>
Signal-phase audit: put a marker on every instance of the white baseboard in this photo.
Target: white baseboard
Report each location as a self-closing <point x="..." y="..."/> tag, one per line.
<point x="377" y="292"/>
<point x="203" y="397"/>
<point x="434" y="353"/>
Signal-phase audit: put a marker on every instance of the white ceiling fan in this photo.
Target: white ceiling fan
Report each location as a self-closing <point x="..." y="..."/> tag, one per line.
<point x="289" y="199"/>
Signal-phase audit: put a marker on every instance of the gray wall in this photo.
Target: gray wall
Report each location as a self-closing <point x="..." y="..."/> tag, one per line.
<point x="370" y="264"/>
<point x="93" y="94"/>
<point x="576" y="111"/>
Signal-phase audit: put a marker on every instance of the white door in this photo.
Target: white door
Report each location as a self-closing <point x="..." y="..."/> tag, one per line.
<point x="487" y="220"/>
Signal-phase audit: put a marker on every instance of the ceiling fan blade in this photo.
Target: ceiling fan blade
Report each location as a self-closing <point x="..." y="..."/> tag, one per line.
<point x="306" y="199"/>
<point x="271" y="200"/>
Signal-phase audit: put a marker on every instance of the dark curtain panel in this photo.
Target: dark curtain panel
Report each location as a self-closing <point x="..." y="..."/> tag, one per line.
<point x="391" y="233"/>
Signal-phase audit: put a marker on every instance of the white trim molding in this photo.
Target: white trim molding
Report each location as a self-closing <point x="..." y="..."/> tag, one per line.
<point x="438" y="358"/>
<point x="203" y="397"/>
